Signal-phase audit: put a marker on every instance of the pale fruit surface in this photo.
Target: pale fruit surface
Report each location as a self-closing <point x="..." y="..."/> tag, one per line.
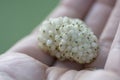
<point x="67" y="38"/>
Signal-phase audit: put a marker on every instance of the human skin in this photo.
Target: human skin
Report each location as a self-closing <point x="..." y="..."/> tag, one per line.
<point x="25" y="61"/>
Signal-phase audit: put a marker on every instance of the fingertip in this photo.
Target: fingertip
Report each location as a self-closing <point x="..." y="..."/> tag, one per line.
<point x="73" y="8"/>
<point x="108" y="2"/>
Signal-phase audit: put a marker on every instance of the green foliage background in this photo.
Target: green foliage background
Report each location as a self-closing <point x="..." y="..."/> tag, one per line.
<point x="19" y="17"/>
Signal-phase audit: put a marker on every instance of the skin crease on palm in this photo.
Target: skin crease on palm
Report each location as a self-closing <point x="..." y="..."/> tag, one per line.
<point x="25" y="61"/>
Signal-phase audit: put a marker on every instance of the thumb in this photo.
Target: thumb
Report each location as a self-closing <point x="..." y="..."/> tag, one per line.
<point x="17" y="66"/>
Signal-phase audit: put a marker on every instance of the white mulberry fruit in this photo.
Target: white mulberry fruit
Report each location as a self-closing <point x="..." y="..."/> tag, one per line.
<point x="68" y="38"/>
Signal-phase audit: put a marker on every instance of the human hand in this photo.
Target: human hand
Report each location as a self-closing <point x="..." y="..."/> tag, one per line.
<point x="16" y="65"/>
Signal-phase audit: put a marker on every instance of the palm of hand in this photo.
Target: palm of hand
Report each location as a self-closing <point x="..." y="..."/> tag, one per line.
<point x="19" y="66"/>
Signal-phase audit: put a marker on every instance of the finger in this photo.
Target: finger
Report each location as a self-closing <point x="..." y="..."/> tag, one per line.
<point x="98" y="75"/>
<point x="61" y="74"/>
<point x="113" y="60"/>
<point x="107" y="37"/>
<point x="98" y="16"/>
<point x="95" y="22"/>
<point x="29" y="45"/>
<point x="16" y="66"/>
<point x="57" y="73"/>
<point x="54" y="73"/>
<point x="73" y="9"/>
<point x="108" y="2"/>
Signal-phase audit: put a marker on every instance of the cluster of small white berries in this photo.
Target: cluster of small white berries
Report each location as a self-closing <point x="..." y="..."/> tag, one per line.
<point x="67" y="38"/>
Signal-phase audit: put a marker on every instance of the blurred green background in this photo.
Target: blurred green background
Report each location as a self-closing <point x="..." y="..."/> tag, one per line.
<point x="19" y="17"/>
